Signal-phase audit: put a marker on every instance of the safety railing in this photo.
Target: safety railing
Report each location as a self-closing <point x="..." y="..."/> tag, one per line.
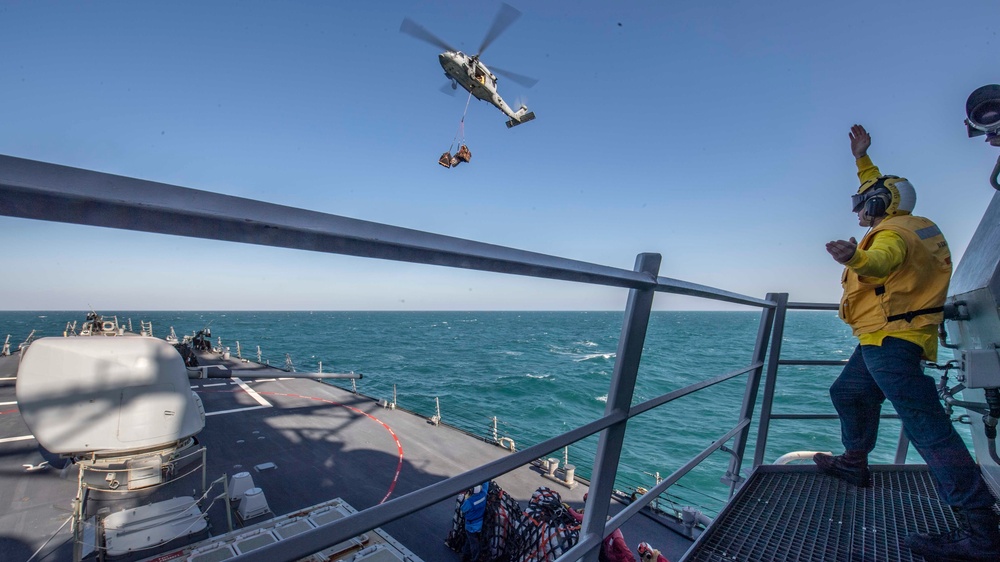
<point x="767" y="414"/>
<point x="36" y="190"/>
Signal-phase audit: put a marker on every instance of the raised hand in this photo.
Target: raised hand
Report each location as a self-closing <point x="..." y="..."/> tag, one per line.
<point x="860" y="141"/>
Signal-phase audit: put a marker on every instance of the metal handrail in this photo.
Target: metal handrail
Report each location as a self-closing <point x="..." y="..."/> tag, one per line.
<point x="766" y="415"/>
<point x="38" y="190"/>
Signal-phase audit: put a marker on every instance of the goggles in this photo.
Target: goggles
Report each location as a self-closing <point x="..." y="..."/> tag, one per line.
<point x="645" y="551"/>
<point x="873" y="188"/>
<point x="878" y="190"/>
<point x="858" y="200"/>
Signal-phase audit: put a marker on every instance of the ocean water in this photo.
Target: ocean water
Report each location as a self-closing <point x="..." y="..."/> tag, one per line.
<point x="542" y="373"/>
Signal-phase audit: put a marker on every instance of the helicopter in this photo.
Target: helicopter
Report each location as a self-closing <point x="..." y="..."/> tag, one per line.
<point x="469" y="72"/>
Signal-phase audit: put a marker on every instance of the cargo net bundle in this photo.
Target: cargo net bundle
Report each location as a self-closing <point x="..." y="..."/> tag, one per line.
<point x="540" y="533"/>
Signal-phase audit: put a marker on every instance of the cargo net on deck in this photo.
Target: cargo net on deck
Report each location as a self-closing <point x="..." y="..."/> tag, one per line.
<point x="540" y="533"/>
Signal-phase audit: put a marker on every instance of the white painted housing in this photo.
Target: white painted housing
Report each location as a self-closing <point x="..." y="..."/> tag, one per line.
<point x="106" y="394"/>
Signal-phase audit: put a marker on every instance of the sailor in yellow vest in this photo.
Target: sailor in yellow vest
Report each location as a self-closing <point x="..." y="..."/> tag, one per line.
<point x="895" y="283"/>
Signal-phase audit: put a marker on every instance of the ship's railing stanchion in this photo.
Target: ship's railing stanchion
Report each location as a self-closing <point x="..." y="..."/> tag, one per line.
<point x="764" y="330"/>
<point x="27" y="341"/>
<point x="767" y="415"/>
<point x="609" y="445"/>
<point x="204" y="472"/>
<point x="656" y="500"/>
<point x="78" y="521"/>
<point x="436" y="418"/>
<point x="229" y="510"/>
<point x="777" y="335"/>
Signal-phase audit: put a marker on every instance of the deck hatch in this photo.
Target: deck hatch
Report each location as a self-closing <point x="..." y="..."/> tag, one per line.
<point x="213" y="554"/>
<point x="794" y="513"/>
<point x="293" y="528"/>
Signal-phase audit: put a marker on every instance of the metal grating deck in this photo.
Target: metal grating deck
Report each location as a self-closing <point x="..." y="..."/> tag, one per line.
<point x="795" y="513"/>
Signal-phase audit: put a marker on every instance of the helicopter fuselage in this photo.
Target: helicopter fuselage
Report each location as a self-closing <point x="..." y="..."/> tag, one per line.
<point x="473" y="75"/>
<point x="475" y="78"/>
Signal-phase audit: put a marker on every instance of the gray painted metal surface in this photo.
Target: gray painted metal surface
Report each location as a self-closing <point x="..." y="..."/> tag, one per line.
<point x="609" y="445"/>
<point x="38" y="190"/>
<point x="795" y="513"/>
<point x="976" y="283"/>
<point x="980" y="265"/>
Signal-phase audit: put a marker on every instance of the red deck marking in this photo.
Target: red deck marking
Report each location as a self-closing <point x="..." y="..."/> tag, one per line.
<point x="399" y="446"/>
<point x="14" y="411"/>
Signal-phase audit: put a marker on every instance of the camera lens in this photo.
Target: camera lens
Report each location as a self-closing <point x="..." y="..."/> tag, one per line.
<point x="983" y="108"/>
<point x="986" y="113"/>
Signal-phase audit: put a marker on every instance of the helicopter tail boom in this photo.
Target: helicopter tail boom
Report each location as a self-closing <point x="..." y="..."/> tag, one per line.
<point x="521" y="116"/>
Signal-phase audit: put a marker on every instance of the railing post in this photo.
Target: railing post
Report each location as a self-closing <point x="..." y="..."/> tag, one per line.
<point x="752" y="386"/>
<point x="902" y="447"/>
<point x="609" y="445"/>
<point x="770" y="381"/>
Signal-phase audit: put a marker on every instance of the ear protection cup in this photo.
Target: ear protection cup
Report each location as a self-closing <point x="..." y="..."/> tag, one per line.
<point x="875" y="206"/>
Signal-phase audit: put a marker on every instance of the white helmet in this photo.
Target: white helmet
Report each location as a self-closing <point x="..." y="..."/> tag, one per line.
<point x="885" y="196"/>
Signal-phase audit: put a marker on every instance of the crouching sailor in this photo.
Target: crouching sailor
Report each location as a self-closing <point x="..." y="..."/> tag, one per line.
<point x="473" y="510"/>
<point x="895" y="283"/>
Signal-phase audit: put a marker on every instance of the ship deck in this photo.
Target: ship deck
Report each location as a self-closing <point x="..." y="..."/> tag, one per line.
<point x="303" y="442"/>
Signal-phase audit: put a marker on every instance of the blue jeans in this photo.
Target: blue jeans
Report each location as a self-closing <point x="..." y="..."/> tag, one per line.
<point x="893" y="371"/>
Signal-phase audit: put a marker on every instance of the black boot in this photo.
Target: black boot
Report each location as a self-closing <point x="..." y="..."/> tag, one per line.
<point x="847" y="467"/>
<point x="977" y="539"/>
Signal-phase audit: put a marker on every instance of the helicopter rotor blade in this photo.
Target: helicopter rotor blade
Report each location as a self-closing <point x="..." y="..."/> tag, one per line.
<point x="414" y="29"/>
<point x="506" y="16"/>
<point x="521" y="79"/>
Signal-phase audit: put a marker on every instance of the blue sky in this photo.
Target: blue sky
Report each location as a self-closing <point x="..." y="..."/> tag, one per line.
<point x="714" y="133"/>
